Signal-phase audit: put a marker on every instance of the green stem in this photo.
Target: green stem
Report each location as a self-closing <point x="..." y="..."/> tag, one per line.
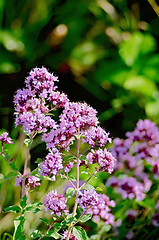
<point x="47" y="230"/>
<point x="77" y="191"/>
<point x="25" y="172"/>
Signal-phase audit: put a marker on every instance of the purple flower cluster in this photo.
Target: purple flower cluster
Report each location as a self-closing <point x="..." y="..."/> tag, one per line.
<point x="141" y="144"/>
<point x="102" y="210"/>
<point x="128" y="187"/>
<point x="88" y="199"/>
<point x="96" y="136"/>
<point x="155" y="168"/>
<point x="4" y="139"/>
<point x="137" y="153"/>
<point x="64" y="236"/>
<point x="103" y="158"/>
<point x="145" y="131"/>
<point x="74" y="120"/>
<point x="40" y="81"/>
<point x="30" y="181"/>
<point x="31" y="103"/>
<point x="131" y="214"/>
<point x="33" y="110"/>
<point x="51" y="164"/>
<point x="55" y="203"/>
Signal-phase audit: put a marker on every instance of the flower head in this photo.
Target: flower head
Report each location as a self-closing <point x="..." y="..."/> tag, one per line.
<point x="145" y="131"/>
<point x="102" y="210"/>
<point x="4" y="139"/>
<point x="51" y="164"/>
<point x="41" y="82"/>
<point x="128" y="187"/>
<point x="96" y="136"/>
<point x="55" y="203"/>
<point x="89" y="198"/>
<point x="103" y="158"/>
<point x="30" y="181"/>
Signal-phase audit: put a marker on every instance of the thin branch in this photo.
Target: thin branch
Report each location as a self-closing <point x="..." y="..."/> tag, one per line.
<point x="84" y="152"/>
<point x="87" y="180"/>
<point x="72" y="153"/>
<point x="25" y="172"/>
<point x="154" y="6"/>
<point x="47" y="230"/>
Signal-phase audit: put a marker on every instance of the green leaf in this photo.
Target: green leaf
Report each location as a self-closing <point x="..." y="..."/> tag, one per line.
<point x="15" y="209"/>
<point x="147" y="203"/>
<point x="19" y="227"/>
<point x="7" y="235"/>
<point x="93" y="237"/>
<point x="32" y="209"/>
<point x="57" y="226"/>
<point x="7" y="156"/>
<point x="34" y="204"/>
<point x="10" y="175"/>
<point x="63" y="224"/>
<point x="85" y="218"/>
<point x="28" y="142"/>
<point x="79" y="233"/>
<point x="140" y="84"/>
<point x="72" y="178"/>
<point x="99" y="189"/>
<point x="22" y="238"/>
<point x="38" y="160"/>
<point x="80" y="209"/>
<point x="1" y="176"/>
<point x="69" y="192"/>
<point x="36" y="234"/>
<point x="45" y="220"/>
<point x="13" y="166"/>
<point x="88" y="187"/>
<point x="71" y="220"/>
<point x="53" y="234"/>
<point x="137" y="45"/>
<point x="23" y="201"/>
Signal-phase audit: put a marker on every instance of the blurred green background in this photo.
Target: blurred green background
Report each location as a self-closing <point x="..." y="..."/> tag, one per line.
<point x="105" y="53"/>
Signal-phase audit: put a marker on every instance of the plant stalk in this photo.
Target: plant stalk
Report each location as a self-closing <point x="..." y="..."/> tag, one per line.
<point x="25" y="172"/>
<point x="77" y="191"/>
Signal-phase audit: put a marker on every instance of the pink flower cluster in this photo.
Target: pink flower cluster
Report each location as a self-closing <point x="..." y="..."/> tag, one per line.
<point x="88" y="199"/>
<point x="74" y="120"/>
<point x="103" y="158"/>
<point x="4" y="139"/>
<point x="102" y="210"/>
<point x="128" y="187"/>
<point x="31" y="103"/>
<point x="30" y="181"/>
<point x="131" y="214"/>
<point x="95" y="136"/>
<point x="64" y="236"/>
<point x="55" y="203"/>
<point x="141" y="144"/>
<point x="33" y="110"/>
<point x="51" y="164"/>
<point x="136" y="154"/>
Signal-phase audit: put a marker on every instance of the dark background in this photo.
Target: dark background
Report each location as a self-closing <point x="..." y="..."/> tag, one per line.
<point x="83" y="43"/>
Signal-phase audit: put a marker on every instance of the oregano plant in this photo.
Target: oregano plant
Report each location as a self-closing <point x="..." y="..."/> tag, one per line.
<point x="75" y="141"/>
